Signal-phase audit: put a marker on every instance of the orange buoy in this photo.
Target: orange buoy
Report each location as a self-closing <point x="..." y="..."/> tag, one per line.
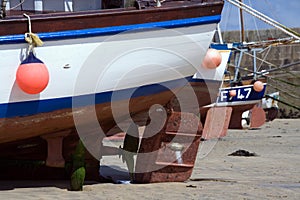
<point x="32" y="75"/>
<point x="258" y="86"/>
<point x="212" y="59"/>
<point x="232" y="93"/>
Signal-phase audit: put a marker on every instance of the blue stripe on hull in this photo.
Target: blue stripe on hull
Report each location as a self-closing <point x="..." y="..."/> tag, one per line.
<point x="27" y="108"/>
<point x="113" y="30"/>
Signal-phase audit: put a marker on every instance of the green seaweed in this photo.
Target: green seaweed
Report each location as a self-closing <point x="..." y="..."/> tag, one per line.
<point x="78" y="171"/>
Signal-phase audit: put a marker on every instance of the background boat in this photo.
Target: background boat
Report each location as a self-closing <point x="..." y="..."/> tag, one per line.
<point x="253" y="60"/>
<point x="276" y="51"/>
<point x="240" y="91"/>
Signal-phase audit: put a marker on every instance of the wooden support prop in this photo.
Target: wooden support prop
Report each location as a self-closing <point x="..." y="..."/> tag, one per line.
<point x="258" y="117"/>
<point x="169" y="154"/>
<point x="216" y="122"/>
<point x="55" y="145"/>
<point x="237" y="115"/>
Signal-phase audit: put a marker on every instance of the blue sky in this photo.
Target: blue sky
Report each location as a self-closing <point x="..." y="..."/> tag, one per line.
<point x="286" y="12"/>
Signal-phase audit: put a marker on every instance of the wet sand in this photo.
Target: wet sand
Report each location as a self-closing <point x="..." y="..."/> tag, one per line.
<point x="273" y="174"/>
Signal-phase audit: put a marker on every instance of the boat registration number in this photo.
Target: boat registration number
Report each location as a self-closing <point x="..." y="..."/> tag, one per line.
<point x="241" y="94"/>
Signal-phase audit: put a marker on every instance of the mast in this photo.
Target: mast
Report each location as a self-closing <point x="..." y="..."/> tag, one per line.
<point x="3" y="9"/>
<point x="242" y="23"/>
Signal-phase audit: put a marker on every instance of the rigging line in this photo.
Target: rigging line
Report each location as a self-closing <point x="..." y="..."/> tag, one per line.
<point x="286" y="72"/>
<point x="251" y="71"/>
<point x="284" y="92"/>
<point x="275" y="78"/>
<point x="227" y="14"/>
<point x="285" y="66"/>
<point x="229" y="10"/>
<point x="264" y="58"/>
<point x="287" y="93"/>
<point x="273" y="22"/>
<point x="294" y="75"/>
<point x="255" y="24"/>
<point x="273" y="14"/>
<point x="269" y="63"/>
<point x="284" y="81"/>
<point x="19" y="4"/>
<point x="290" y="73"/>
<point x="264" y="72"/>
<point x="248" y="8"/>
<point x="273" y="42"/>
<point x="283" y="102"/>
<point x="265" y="18"/>
<point x="249" y="54"/>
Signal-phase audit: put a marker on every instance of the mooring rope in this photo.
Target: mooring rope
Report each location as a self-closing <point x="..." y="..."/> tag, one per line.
<point x="19" y="4"/>
<point x="283" y="102"/>
<point x="32" y="39"/>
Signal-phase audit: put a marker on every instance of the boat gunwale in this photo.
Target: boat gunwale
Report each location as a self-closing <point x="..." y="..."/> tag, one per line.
<point x="104" y="31"/>
<point x="96" y="19"/>
<point x="104" y="12"/>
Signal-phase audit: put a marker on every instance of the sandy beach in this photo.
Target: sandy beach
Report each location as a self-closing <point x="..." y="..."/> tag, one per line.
<point x="274" y="172"/>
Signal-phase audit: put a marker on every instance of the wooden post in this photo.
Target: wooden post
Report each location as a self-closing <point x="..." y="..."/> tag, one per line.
<point x="55" y="145"/>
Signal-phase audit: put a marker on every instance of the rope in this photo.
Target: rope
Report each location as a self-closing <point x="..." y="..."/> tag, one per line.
<point x="283" y="102"/>
<point x="226" y="18"/>
<point x="19" y="4"/>
<point x="265" y="57"/>
<point x="255" y="24"/>
<point x="32" y="39"/>
<point x="264" y="61"/>
<point x="262" y="74"/>
<point x="286" y="82"/>
<point x="270" y="70"/>
<point x="271" y="64"/>
<point x="273" y="14"/>
<point x="265" y="18"/>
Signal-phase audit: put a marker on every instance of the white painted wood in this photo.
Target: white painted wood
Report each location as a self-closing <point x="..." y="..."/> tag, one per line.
<point x="27" y="4"/>
<point x="56" y="5"/>
<point x="68" y="4"/>
<point x="7" y="5"/>
<point x="38" y="5"/>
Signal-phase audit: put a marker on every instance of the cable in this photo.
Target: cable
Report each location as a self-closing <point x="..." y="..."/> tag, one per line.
<point x="265" y="18"/>
<point x="19" y="4"/>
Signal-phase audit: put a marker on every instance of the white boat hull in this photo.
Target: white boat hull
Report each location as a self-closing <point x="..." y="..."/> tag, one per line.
<point x="134" y="61"/>
<point x="101" y="69"/>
